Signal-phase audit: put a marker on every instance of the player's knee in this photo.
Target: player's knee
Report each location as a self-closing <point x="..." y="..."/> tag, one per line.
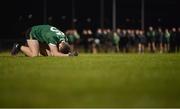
<point x="34" y="55"/>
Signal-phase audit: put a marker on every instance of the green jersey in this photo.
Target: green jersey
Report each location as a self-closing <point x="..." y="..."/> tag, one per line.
<point x="115" y="39"/>
<point x="47" y="34"/>
<point x="151" y="34"/>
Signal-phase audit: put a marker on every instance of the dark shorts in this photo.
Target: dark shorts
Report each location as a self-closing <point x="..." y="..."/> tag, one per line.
<point x="28" y="35"/>
<point x="150" y="39"/>
<point x="42" y="48"/>
<point x="165" y="41"/>
<point x="143" y="40"/>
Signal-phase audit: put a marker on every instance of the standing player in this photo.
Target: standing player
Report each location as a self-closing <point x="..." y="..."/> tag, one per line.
<point x="166" y="40"/>
<point x="44" y="34"/>
<point x="151" y="39"/>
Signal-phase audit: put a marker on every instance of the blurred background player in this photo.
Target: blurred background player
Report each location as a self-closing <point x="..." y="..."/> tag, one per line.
<point x="166" y="40"/>
<point x="159" y="40"/>
<point x="151" y="39"/>
<point x="141" y="42"/>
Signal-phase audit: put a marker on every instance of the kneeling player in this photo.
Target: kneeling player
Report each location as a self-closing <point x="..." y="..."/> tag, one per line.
<point x="47" y="35"/>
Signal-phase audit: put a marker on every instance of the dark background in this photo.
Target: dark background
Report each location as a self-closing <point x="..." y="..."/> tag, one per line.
<point x="18" y="15"/>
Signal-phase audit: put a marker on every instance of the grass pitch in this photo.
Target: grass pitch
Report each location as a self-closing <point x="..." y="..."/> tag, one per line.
<point x="103" y="80"/>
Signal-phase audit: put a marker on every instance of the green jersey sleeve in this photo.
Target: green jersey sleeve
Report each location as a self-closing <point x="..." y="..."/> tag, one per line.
<point x="52" y="40"/>
<point x="57" y="39"/>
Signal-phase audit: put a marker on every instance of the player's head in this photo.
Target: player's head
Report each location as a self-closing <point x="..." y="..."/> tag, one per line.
<point x="64" y="47"/>
<point x="151" y="28"/>
<point x="179" y="29"/>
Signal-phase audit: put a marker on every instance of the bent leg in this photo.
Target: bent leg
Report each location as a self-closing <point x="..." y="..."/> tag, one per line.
<point x="44" y="50"/>
<point x="32" y="48"/>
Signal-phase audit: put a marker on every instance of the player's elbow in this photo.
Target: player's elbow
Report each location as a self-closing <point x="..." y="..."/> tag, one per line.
<point x="57" y="54"/>
<point x="54" y="54"/>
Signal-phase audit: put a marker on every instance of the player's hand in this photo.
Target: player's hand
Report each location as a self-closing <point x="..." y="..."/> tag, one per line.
<point x="74" y="53"/>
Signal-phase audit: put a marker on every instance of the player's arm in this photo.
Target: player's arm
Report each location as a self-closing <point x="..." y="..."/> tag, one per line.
<point x="54" y="51"/>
